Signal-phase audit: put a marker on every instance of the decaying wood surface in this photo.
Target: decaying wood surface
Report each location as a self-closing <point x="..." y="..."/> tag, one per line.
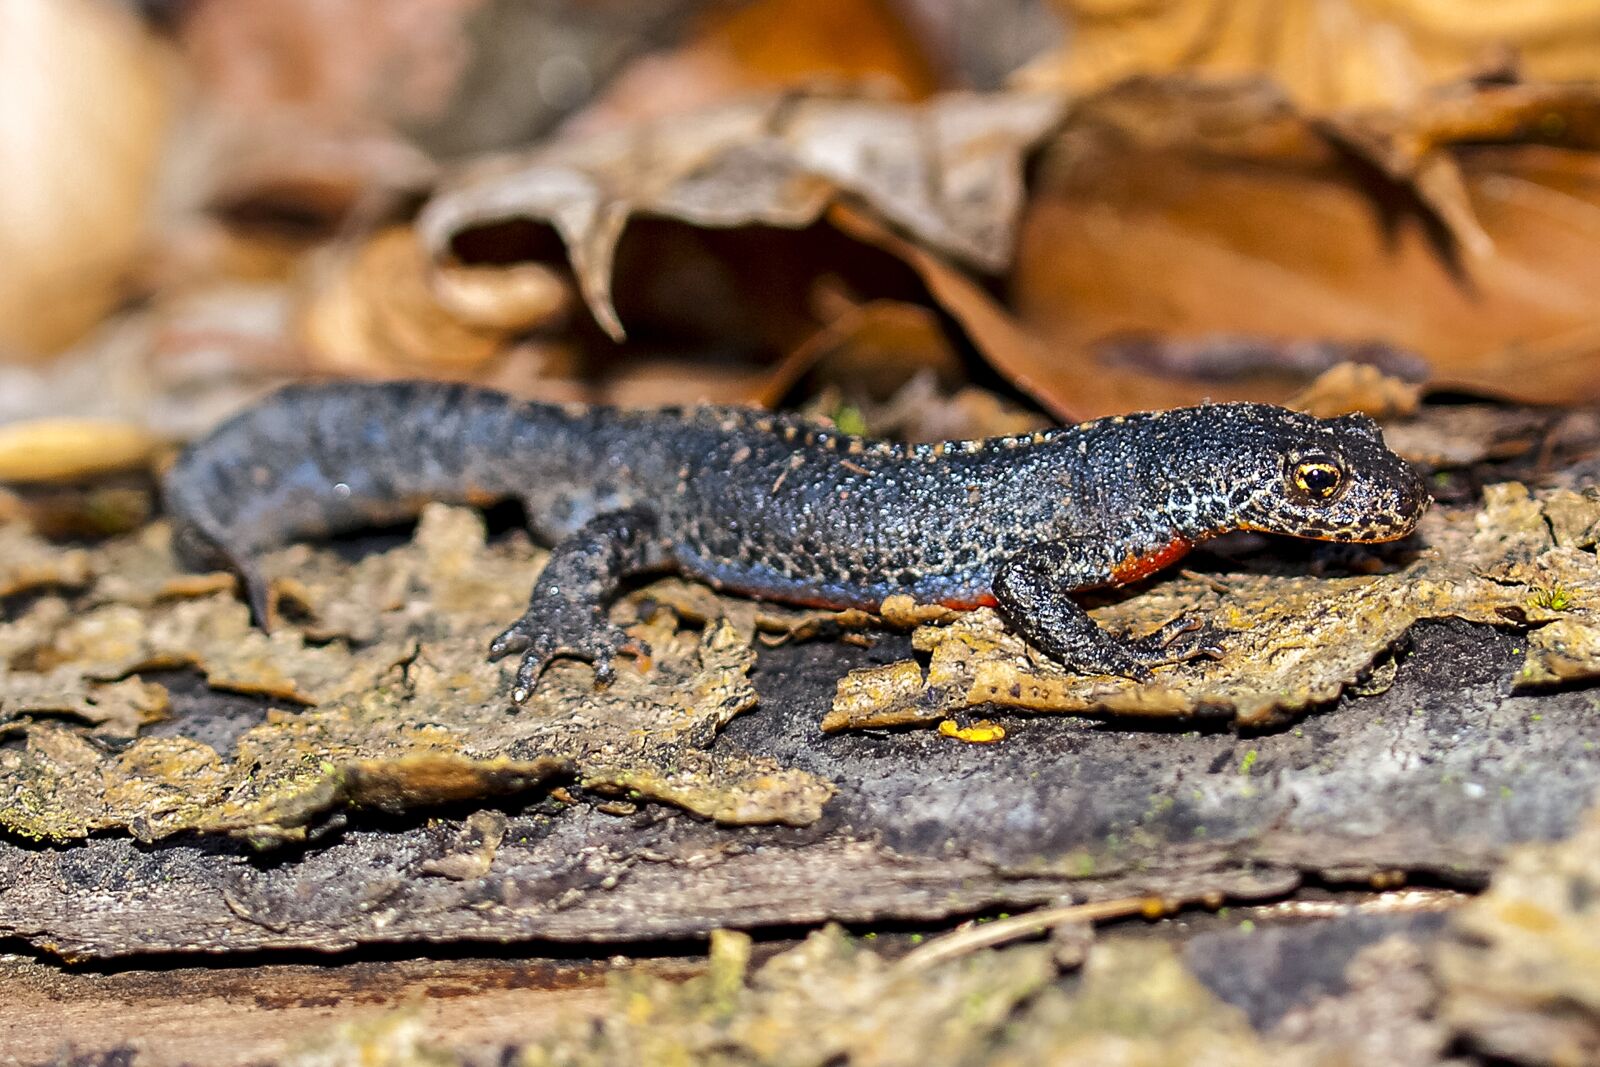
<point x="364" y="790"/>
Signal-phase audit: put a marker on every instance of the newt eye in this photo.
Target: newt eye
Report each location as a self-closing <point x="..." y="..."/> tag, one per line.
<point x="1319" y="479"/>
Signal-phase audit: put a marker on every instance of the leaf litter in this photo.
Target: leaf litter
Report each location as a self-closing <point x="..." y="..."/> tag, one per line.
<point x="951" y="171"/>
<point x="1135" y="1004"/>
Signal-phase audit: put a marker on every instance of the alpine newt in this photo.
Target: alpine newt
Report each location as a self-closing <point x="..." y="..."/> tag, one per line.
<point x="773" y="506"/>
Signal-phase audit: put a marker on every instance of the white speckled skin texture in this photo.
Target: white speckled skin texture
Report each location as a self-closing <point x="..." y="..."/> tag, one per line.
<point x="771" y="506"/>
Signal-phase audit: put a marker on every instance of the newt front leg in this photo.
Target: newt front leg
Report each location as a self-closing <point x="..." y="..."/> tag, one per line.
<point x="1033" y="590"/>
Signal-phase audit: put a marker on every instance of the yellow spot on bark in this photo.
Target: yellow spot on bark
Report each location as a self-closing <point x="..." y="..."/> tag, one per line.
<point x="982" y="732"/>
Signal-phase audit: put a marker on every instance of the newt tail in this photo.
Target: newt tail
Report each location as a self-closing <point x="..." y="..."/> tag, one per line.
<point x="775" y="507"/>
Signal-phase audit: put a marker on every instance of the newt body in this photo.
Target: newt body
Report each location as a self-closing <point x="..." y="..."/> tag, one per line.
<point x="776" y="507"/>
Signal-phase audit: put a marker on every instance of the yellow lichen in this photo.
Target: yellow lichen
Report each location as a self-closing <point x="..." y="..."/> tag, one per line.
<point x="982" y="732"/>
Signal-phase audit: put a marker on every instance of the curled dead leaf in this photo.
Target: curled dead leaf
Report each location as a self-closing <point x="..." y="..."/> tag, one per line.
<point x="519" y="296"/>
<point x="82" y="154"/>
<point x="1186" y="213"/>
<point x="949" y="171"/>
<point x="373" y="311"/>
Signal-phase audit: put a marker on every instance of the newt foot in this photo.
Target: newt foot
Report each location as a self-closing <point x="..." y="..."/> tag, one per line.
<point x="541" y="642"/>
<point x="1178" y="641"/>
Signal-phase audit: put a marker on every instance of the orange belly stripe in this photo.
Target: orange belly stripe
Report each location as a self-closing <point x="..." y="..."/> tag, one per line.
<point x="1136" y="566"/>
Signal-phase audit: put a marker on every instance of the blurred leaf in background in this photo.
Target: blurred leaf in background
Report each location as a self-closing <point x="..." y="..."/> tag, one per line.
<point x="86" y="96"/>
<point x="1461" y="231"/>
<point x="744" y="201"/>
<point x="1326" y="55"/>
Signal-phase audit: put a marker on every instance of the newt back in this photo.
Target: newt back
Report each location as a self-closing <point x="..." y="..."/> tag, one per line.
<point x="773" y="506"/>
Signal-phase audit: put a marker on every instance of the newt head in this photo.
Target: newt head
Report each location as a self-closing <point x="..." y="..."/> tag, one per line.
<point x="1324" y="479"/>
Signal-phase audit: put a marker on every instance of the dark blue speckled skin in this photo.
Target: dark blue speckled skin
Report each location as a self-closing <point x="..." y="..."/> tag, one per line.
<point x="776" y="507"/>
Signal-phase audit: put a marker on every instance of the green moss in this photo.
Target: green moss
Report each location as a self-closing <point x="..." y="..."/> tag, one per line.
<point x="1551" y="598"/>
<point x="849" y="419"/>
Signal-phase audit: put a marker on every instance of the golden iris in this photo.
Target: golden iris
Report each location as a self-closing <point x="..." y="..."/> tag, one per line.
<point x="1318" y="478"/>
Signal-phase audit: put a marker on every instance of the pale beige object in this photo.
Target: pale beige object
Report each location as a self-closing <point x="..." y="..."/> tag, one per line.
<point x="1517" y="967"/>
<point x="1347" y="387"/>
<point x="1327" y="54"/>
<point x="48" y="450"/>
<point x="517" y="296"/>
<point x="369" y="309"/>
<point x="84" y="102"/>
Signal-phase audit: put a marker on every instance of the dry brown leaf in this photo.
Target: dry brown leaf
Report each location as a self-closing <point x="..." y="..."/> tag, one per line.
<point x="370" y="310"/>
<point x="765" y="45"/>
<point x="1327" y="55"/>
<point x="649" y="383"/>
<point x="869" y="350"/>
<point x="1172" y="212"/>
<point x="1015" y="351"/>
<point x="949" y="171"/>
<point x="1351" y="387"/>
<point x="523" y="296"/>
<point x="49" y="450"/>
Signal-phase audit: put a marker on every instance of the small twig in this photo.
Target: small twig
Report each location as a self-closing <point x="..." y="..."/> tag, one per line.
<point x="1001" y="931"/>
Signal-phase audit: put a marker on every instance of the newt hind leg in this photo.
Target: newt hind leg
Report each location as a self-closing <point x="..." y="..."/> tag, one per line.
<point x="566" y="614"/>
